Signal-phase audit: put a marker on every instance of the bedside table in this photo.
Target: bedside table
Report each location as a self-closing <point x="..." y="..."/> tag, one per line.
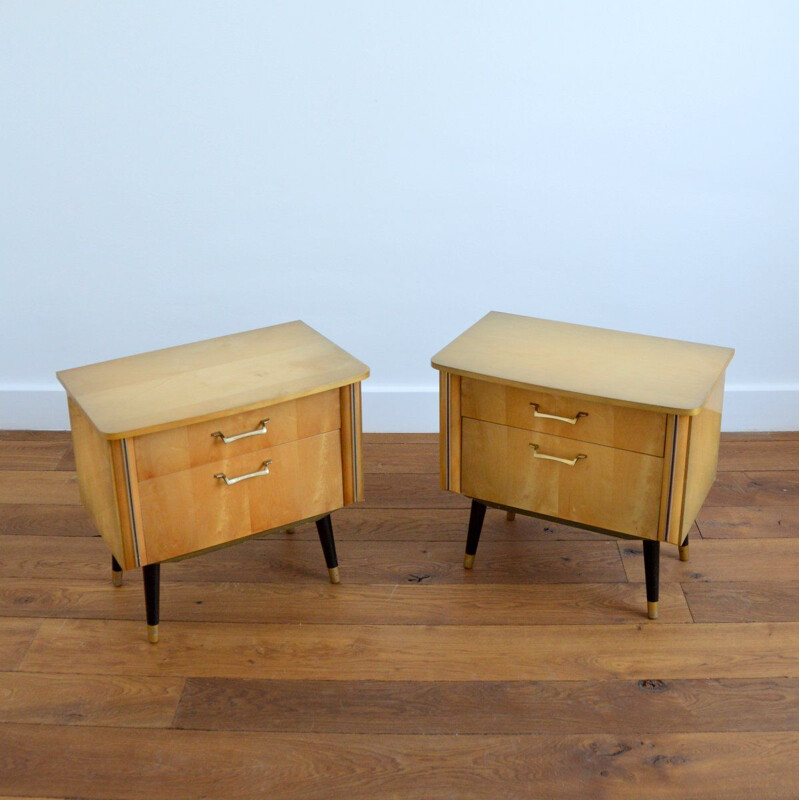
<point x="194" y="447"/>
<point x="613" y="432"/>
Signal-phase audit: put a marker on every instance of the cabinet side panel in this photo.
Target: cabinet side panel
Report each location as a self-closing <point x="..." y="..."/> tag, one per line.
<point x="351" y="435"/>
<point x="93" y="461"/>
<point x="701" y="462"/>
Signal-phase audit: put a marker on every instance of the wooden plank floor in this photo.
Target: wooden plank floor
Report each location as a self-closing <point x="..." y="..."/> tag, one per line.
<point x="536" y="675"/>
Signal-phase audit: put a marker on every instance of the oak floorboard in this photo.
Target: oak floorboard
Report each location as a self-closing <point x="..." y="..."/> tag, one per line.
<point x="35" y="436"/>
<point x="40" y="455"/>
<point x="748" y="522"/>
<point x="31" y="486"/>
<point x="406" y="458"/>
<point x="751" y="456"/>
<point x="758" y="436"/>
<point x="110" y="700"/>
<point x="470" y="707"/>
<point x="764" y="601"/>
<point x="185" y="765"/>
<point x="720" y="560"/>
<point x="37" y="519"/>
<point x="67" y="461"/>
<point x="417" y="652"/>
<point x="322" y="603"/>
<point x="285" y="560"/>
<point x="16" y="635"/>
<point x="401" y="438"/>
<point x="754" y="489"/>
<point x="387" y="490"/>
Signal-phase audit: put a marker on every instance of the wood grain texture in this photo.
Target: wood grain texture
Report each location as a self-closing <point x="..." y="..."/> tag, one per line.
<point x="401" y="458"/>
<point x="42" y="488"/>
<point x="284" y="560"/>
<point x="629" y="369"/>
<point x="45" y="520"/>
<point x="16" y="636"/>
<point x="489" y="685"/>
<point x="703" y="766"/>
<point x="112" y="700"/>
<point x="701" y="459"/>
<point x="755" y="455"/>
<point x="35" y="436"/>
<point x="750" y="601"/>
<point x="612" y="426"/>
<point x="102" y="467"/>
<point x="383" y="490"/>
<point x="412" y="603"/>
<point x="209" y="379"/>
<point x="748" y="522"/>
<point x="184" y="512"/>
<point x="618" y="490"/>
<point x="767" y="488"/>
<point x="418" y="652"/>
<point x="39" y="455"/>
<point x="721" y="560"/>
<point x="517" y="707"/>
<point x="189" y="446"/>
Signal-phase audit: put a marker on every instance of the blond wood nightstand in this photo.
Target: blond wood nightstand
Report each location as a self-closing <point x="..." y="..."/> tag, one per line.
<point x="613" y="432"/>
<point x="194" y="447"/>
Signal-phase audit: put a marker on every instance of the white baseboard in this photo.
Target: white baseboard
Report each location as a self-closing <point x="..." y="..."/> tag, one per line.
<point x="413" y="410"/>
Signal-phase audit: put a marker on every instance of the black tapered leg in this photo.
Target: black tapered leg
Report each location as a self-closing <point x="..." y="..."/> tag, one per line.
<point x="683" y="550"/>
<point x="476" y="515"/>
<point x="116" y="572"/>
<point x="325" y="531"/>
<point x="651" y="559"/>
<point x="152" y="575"/>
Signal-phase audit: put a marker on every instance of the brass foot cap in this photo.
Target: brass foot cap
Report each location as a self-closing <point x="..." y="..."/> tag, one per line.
<point x="152" y="633"/>
<point x="652" y="610"/>
<point x="510" y="516"/>
<point x="683" y="553"/>
<point x="469" y="561"/>
<point x="334" y="573"/>
<point x="116" y="578"/>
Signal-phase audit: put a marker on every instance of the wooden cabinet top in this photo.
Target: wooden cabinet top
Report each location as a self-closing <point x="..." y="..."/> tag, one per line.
<point x="199" y="381"/>
<point x="664" y="375"/>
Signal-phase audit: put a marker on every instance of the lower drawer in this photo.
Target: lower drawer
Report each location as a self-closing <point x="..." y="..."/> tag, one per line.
<point x="191" y="510"/>
<point x="617" y="490"/>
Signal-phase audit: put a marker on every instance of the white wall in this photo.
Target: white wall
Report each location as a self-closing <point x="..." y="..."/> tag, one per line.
<point x="388" y="172"/>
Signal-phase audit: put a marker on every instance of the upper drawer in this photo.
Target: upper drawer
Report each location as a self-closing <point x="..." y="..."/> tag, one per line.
<point x="180" y="449"/>
<point x="614" y="426"/>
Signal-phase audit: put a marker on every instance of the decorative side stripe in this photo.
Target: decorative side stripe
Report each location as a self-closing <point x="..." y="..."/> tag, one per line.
<point x="134" y="534"/>
<point x="354" y="442"/>
<point x="447" y="430"/>
<point x="671" y="478"/>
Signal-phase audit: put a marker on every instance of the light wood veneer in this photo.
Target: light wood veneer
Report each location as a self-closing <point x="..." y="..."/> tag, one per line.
<point x="161" y="438"/>
<point x="610" y="431"/>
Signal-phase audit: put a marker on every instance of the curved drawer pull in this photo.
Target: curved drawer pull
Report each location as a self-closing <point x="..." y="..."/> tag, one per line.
<point x="230" y="481"/>
<point x="569" y="420"/>
<point x="259" y="431"/>
<point x="571" y="462"/>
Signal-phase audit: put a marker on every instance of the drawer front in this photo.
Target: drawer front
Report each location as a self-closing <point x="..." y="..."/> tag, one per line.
<point x="183" y="448"/>
<point x="615" y="426"/>
<point x="618" y="490"/>
<point x="191" y="510"/>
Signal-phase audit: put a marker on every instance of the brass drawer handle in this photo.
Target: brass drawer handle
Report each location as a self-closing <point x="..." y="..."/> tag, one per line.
<point x="230" y="481"/>
<point x="571" y="462"/>
<point x="259" y="431"/>
<point x="569" y="420"/>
